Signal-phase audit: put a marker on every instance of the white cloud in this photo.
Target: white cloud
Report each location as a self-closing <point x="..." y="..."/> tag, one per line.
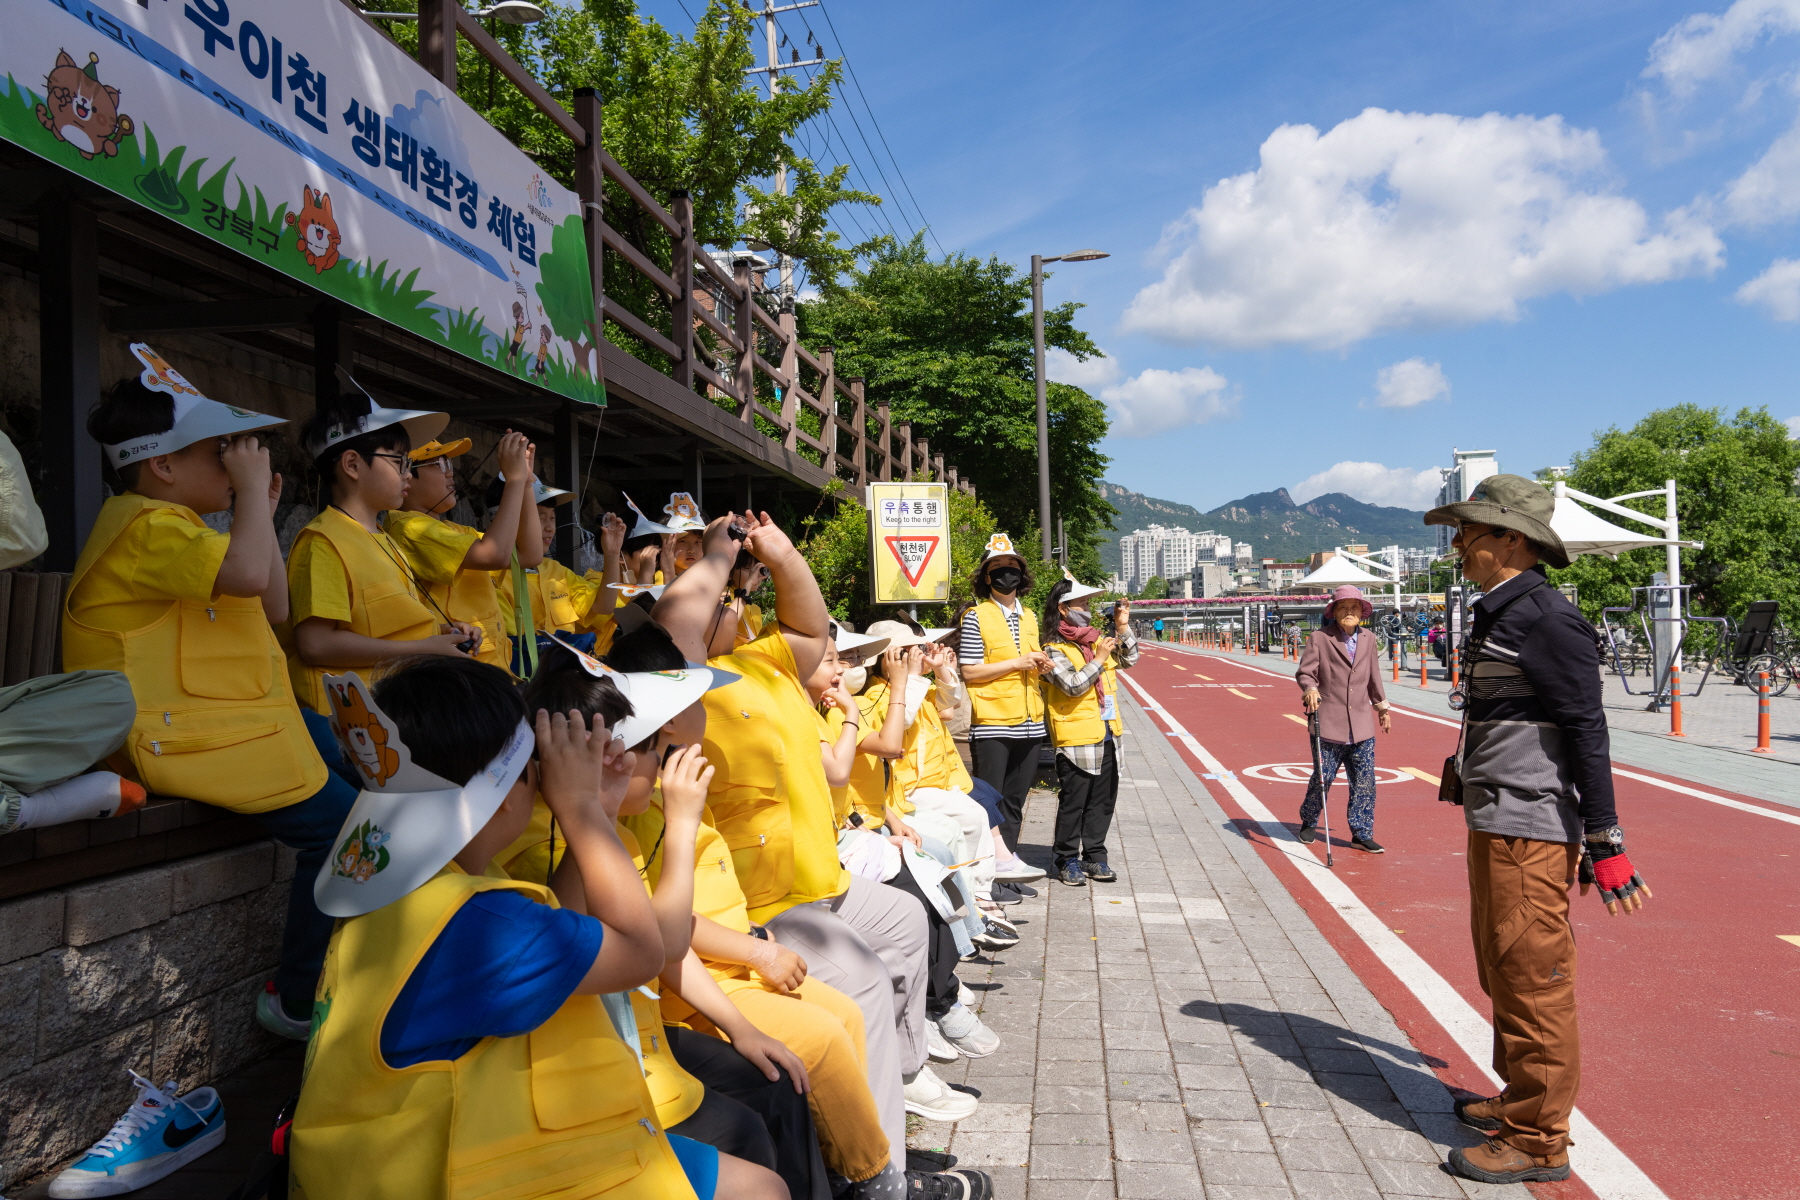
<point x="1701" y="48"/>
<point x="1793" y="424"/>
<point x="1410" y="383"/>
<point x="1372" y="483"/>
<point x="1776" y="291"/>
<point x="1402" y="220"/>
<point x="1064" y="367"/>
<point x="1153" y="401"/>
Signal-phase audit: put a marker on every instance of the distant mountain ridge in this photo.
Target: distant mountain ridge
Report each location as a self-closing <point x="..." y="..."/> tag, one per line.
<point x="1271" y="522"/>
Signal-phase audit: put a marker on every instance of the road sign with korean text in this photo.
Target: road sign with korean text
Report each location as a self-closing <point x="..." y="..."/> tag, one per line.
<point x="909" y="526"/>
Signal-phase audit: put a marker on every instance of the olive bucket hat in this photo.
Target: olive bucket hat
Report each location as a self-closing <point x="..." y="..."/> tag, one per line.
<point x="1509" y="502"/>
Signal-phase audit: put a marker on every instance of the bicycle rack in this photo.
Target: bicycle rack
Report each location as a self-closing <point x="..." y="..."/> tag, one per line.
<point x="1660" y="692"/>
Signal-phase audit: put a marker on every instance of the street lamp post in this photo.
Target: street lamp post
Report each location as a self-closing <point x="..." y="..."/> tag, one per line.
<point x="1043" y="411"/>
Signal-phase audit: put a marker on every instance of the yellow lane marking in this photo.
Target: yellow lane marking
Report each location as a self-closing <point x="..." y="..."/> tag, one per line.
<point x="1208" y="678"/>
<point x="1178" y="666"/>
<point x="1433" y="780"/>
<point x="1245" y="695"/>
<point x="1294" y="719"/>
<point x="1789" y="937"/>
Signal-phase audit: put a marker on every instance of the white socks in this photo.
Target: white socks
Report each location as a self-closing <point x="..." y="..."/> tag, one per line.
<point x="90" y="797"/>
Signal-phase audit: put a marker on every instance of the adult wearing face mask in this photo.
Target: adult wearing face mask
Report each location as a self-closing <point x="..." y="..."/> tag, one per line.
<point x="1340" y="679"/>
<point x="1085" y="725"/>
<point x="1002" y="662"/>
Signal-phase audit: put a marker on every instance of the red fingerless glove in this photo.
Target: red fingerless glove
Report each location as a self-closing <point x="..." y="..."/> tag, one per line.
<point x="1614" y="873"/>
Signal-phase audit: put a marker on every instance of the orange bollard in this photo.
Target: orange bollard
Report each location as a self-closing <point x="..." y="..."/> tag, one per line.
<point x="1675" y="701"/>
<point x="1762" y="712"/>
<point x="1394" y="654"/>
<point x="1424" y="679"/>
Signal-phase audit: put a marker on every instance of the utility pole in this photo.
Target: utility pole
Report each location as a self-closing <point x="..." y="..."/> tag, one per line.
<point x="773" y="68"/>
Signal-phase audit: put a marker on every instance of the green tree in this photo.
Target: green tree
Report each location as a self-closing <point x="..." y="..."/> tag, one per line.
<point x="947" y="344"/>
<point x="1734" y="485"/>
<point x="1155" y="588"/>
<point x="566" y="291"/>
<point x="680" y="115"/>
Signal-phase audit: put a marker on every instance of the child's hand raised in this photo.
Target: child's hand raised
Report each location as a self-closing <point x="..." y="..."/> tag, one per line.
<point x="573" y="767"/>
<point x="612" y="534"/>
<point x="514" y="456"/>
<point x="686" y="776"/>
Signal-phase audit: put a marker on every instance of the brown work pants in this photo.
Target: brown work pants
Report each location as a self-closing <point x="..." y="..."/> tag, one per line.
<point x="1525" y="957"/>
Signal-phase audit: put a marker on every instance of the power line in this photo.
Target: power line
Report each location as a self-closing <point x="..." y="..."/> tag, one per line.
<point x="877" y="123"/>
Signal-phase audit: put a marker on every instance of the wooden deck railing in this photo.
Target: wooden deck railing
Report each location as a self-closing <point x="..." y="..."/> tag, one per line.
<point x="722" y="337"/>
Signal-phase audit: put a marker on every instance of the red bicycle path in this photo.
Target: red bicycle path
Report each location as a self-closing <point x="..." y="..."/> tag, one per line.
<point x="1689" y="1022"/>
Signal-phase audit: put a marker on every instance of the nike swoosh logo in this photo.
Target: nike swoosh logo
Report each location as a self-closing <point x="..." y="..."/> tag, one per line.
<point x="175" y="1137"/>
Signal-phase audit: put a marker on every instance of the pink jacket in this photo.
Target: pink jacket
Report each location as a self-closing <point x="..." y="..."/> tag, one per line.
<point x="1348" y="691"/>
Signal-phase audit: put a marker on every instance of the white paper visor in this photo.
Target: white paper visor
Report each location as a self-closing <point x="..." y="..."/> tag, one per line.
<point x="858" y="643"/>
<point x="657" y="697"/>
<point x="421" y="427"/>
<point x="197" y="416"/>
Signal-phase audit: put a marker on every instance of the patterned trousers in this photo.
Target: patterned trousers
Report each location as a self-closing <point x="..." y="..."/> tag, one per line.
<point x="1358" y="759"/>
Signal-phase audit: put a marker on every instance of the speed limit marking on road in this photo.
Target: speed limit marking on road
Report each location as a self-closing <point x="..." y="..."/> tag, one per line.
<point x="1301" y="772"/>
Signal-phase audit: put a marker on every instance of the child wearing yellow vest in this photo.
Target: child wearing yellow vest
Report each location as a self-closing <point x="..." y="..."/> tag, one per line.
<point x="352" y="599"/>
<point x="453" y="562"/>
<point x="460" y="1046"/>
<point x="1002" y="662"/>
<point x="184" y="611"/>
<point x="561" y="601"/>
<point x="1083" y="701"/>
<point x="773" y="806"/>
<point x="815" y="1020"/>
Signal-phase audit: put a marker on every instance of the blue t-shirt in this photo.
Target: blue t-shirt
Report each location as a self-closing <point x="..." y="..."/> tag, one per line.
<point x="501" y="967"/>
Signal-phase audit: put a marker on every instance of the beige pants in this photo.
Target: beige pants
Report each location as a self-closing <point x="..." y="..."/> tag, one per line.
<point x="972" y="821"/>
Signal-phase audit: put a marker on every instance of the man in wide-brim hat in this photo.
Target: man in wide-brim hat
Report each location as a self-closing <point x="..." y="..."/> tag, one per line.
<point x="1536" y="789"/>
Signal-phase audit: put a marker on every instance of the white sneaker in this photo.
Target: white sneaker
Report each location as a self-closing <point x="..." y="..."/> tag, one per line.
<point x="160" y="1133"/>
<point x="964" y="1030"/>
<point x="273" y="1017"/>
<point x="964" y="996"/>
<point x="930" y="1097"/>
<point x="1017" y="870"/>
<point x="937" y="1045"/>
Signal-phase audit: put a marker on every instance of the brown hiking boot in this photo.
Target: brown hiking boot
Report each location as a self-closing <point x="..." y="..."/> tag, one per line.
<point x="1496" y="1161"/>
<point x="1481" y="1114"/>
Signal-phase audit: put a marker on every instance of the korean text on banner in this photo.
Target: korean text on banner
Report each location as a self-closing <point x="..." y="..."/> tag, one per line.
<point x="299" y="136"/>
<point x="909" y="524"/>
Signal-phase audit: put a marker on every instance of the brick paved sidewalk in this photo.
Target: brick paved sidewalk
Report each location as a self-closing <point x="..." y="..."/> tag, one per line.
<point x="1187" y="1032"/>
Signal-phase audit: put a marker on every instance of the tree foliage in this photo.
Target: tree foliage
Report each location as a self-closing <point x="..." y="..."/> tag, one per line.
<point x="1734" y="486"/>
<point x="679" y="115"/>
<point x="1155" y="588"/>
<point x="947" y="344"/>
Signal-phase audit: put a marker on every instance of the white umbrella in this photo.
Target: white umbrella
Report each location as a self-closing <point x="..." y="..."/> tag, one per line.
<point x="1584" y="533"/>
<point x="1340" y="570"/>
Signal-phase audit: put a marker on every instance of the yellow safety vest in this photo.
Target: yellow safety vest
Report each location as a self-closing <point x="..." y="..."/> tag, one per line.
<point x="1016" y="697"/>
<point x="383" y="600"/>
<point x="469" y="597"/>
<point x="561" y="1111"/>
<point x="216" y="721"/>
<point x="931" y="759"/>
<point x="872" y="785"/>
<point x="676" y="1094"/>
<point x="1075" y="720"/>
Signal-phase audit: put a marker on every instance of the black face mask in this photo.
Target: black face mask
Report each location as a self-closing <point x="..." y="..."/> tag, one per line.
<point x="1006" y="579"/>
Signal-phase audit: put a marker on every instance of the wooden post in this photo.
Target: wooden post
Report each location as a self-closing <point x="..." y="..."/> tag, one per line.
<point x="590" y="185"/>
<point x="790" y="368"/>
<point x="922" y="448"/>
<point x="746" y="333"/>
<point x="937" y="467"/>
<point x="828" y="398"/>
<point x="681" y="269"/>
<point x="568" y="466"/>
<point x="885" y="417"/>
<point x="69" y="380"/>
<point x="437" y="40"/>
<point x="693" y="461"/>
<point x="906" y="453"/>
<point x="862" y="430"/>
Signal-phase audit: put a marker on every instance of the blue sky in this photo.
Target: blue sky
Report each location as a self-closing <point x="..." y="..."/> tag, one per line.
<point x="1555" y="218"/>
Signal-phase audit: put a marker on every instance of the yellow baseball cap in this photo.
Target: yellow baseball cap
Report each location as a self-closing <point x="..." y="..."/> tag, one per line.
<point x="433" y="450"/>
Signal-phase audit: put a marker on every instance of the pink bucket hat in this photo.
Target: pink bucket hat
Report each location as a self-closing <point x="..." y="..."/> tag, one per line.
<point x="1351" y="592"/>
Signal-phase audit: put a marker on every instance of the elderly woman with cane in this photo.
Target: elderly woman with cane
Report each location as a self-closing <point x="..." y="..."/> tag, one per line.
<point x="1340" y="685"/>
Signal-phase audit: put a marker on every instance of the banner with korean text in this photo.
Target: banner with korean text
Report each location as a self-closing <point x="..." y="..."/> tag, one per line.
<point x="909" y="524"/>
<point x="299" y="136"/>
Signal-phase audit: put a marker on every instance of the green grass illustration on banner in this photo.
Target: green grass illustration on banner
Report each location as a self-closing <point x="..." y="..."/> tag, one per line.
<point x="303" y="245"/>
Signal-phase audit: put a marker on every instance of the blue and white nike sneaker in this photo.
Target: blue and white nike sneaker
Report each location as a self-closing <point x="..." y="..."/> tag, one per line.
<point x="159" y="1134"/>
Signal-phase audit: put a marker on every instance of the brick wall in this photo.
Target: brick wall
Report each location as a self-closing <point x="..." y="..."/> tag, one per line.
<point x="156" y="969"/>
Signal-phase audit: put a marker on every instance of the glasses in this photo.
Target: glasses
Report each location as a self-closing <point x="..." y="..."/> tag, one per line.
<point x="402" y="464"/>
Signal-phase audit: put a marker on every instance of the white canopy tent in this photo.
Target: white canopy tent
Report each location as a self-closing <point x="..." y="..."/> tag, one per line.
<point x="1339" y="570"/>
<point x="1583" y="532"/>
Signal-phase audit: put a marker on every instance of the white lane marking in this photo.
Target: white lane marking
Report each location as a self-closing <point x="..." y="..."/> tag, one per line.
<point x="1602" y="1165"/>
<point x="1789" y="818"/>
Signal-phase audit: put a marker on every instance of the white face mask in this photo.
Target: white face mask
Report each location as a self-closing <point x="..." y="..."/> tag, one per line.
<point x="855" y="678"/>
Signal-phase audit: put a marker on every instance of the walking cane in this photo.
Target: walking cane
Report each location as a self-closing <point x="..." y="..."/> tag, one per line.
<point x="1312" y="732"/>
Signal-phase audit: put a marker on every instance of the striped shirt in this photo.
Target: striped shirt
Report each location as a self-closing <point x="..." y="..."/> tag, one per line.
<point x="1074" y="678"/>
<point x="972" y="650"/>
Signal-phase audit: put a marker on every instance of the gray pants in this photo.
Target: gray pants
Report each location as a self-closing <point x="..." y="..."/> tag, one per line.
<point x="870" y="944"/>
<point x="53" y="727"/>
